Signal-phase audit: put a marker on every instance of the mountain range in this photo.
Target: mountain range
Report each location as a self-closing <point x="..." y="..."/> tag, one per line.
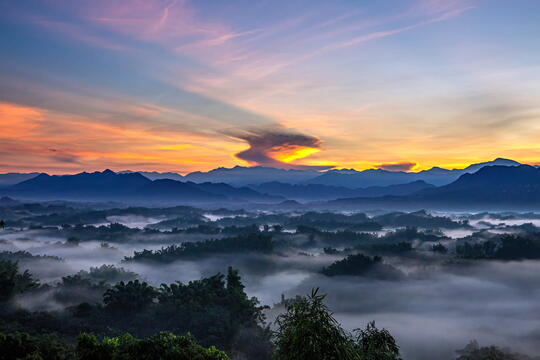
<point x="350" y="178"/>
<point x="257" y="175"/>
<point x="314" y="192"/>
<point x="378" y="177"/>
<point x="9" y="179"/>
<point x="491" y="187"/>
<point x="129" y="187"/>
<point x="505" y="185"/>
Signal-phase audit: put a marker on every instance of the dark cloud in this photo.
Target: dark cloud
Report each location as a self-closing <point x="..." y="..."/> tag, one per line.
<point x="402" y="166"/>
<point x="264" y="142"/>
<point x="63" y="156"/>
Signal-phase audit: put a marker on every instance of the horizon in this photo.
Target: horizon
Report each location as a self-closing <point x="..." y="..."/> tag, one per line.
<point x="187" y="86"/>
<point x="322" y="171"/>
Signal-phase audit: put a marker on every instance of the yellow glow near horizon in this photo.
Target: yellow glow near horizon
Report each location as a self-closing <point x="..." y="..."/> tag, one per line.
<point x="290" y="154"/>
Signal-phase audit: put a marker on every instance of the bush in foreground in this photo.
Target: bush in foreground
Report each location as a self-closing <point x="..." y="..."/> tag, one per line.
<point x="308" y="331"/>
<point x="161" y="346"/>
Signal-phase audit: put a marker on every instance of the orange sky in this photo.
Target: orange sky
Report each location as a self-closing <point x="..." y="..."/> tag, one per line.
<point x="181" y="86"/>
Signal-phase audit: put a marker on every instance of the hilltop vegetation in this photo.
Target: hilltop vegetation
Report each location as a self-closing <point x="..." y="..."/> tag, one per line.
<point x="138" y="273"/>
<point x="245" y="243"/>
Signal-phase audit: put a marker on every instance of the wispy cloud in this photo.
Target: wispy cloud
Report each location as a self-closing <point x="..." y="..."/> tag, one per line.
<point x="401" y="166"/>
<point x="81" y="34"/>
<point x="48" y="140"/>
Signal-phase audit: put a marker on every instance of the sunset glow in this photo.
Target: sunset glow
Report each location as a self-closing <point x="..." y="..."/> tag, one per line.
<point x="190" y="85"/>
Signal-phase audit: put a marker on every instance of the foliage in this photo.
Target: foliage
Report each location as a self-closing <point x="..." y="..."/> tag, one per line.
<point x="107" y="274"/>
<point x="161" y="346"/>
<point x="337" y="238"/>
<point x="411" y="234"/>
<point x="75" y="289"/>
<point x="308" y="331"/>
<point x="508" y="247"/>
<point x="21" y="345"/>
<point x="362" y="265"/>
<point x="129" y="297"/>
<point x="13" y="282"/>
<point x="375" y="344"/>
<point x="401" y="247"/>
<point x="244" y="243"/>
<point x="25" y="255"/>
<point x="330" y="251"/>
<point x="214" y="309"/>
<point x="419" y="219"/>
<point x="473" y="351"/>
<point x="439" y="248"/>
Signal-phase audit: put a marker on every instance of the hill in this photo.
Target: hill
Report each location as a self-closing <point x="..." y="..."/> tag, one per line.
<point x="314" y="192"/>
<point x="493" y="187"/>
<point x="240" y="176"/>
<point x="378" y="177"/>
<point x="108" y="185"/>
<point x="9" y="179"/>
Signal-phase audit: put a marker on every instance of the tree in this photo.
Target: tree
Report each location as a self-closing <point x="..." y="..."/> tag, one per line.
<point x="12" y="282"/>
<point x="440" y="248"/>
<point x="375" y="344"/>
<point x="308" y="331"/>
<point x="129" y="297"/>
<point x="2" y="224"/>
<point x="473" y="351"/>
<point x="161" y="346"/>
<point x="218" y="312"/>
<point x="362" y="265"/>
<point x="23" y="346"/>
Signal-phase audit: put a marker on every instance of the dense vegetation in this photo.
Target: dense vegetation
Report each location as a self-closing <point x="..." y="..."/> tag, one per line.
<point x="419" y="219"/>
<point x="244" y="243"/>
<point x="161" y="346"/>
<point x="507" y="247"/>
<point x="215" y="310"/>
<point x="361" y="265"/>
<point x="121" y="313"/>
<point x="307" y="330"/>
<point x="12" y="281"/>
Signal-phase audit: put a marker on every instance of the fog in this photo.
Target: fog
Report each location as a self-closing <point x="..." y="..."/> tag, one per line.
<point x="438" y="307"/>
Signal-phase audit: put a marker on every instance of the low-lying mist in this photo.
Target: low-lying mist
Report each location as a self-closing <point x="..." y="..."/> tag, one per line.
<point x="439" y="305"/>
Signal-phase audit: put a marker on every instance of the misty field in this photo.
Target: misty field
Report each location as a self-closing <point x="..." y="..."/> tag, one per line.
<point x="434" y="281"/>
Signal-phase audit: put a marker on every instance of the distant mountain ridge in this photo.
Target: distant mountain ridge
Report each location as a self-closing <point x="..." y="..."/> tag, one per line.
<point x="349" y="178"/>
<point x="490" y="187"/>
<point x="256" y="175"/>
<point x="314" y="192"/>
<point x="241" y="176"/>
<point x="378" y="177"/>
<point x="9" y="179"/>
<point x="108" y="185"/>
<point x="155" y="175"/>
<point x="493" y="187"/>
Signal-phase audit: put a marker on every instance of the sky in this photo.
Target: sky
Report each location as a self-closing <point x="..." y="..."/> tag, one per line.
<point x="178" y="85"/>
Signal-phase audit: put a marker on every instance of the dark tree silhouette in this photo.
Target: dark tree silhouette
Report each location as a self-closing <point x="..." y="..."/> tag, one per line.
<point x="13" y="282"/>
<point x="160" y="346"/>
<point x="308" y="331"/>
<point x="375" y="344"/>
<point x="129" y="297"/>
